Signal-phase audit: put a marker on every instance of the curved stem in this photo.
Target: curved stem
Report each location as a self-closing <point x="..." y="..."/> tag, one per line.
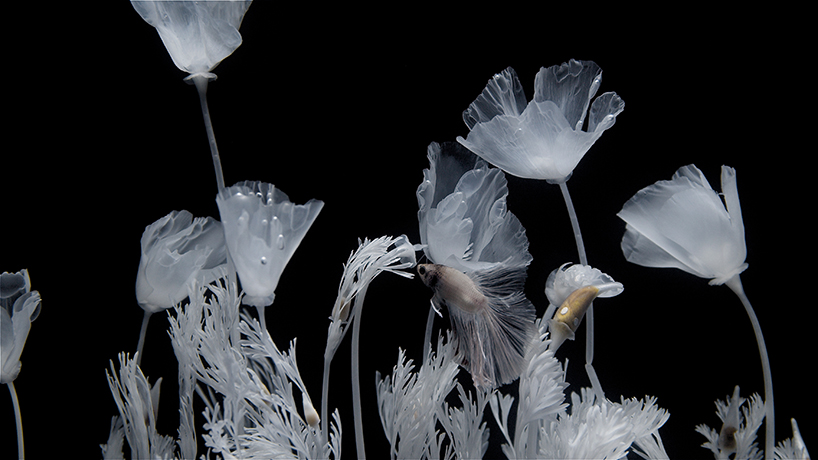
<point x="18" y="419"/>
<point x="356" y="384"/>
<point x="589" y="315"/>
<point x="572" y="214"/>
<point x="427" y="339"/>
<point x="201" y="86"/>
<point x="141" y="344"/>
<point x="734" y="284"/>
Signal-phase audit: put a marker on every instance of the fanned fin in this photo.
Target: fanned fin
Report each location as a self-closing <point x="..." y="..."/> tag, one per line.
<point x="493" y="340"/>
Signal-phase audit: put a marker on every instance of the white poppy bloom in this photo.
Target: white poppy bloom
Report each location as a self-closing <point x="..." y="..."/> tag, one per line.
<point x="197" y="34"/>
<point x="464" y="220"/>
<point x="263" y="229"/>
<point x="683" y="223"/>
<point x="19" y="306"/>
<point x="176" y="251"/>
<point x="568" y="278"/>
<point x="548" y="136"/>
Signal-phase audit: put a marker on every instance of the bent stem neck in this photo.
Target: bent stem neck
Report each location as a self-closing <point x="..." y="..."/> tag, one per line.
<point x="201" y="86"/>
<point x="734" y="284"/>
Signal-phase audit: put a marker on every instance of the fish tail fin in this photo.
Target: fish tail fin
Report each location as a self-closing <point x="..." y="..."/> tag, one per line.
<point x="493" y="341"/>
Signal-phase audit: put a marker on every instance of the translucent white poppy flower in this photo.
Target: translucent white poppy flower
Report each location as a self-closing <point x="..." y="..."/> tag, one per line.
<point x="178" y="250"/>
<point x="19" y="306"/>
<point x="547" y="137"/>
<point x="263" y="229"/>
<point x="197" y="34"/>
<point x="570" y="277"/>
<point x="480" y="253"/>
<point x="683" y="223"/>
<point x="464" y="222"/>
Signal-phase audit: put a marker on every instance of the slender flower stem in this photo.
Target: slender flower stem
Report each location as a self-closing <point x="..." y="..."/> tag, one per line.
<point x="261" y="318"/>
<point x="572" y="214"/>
<point x="734" y="284"/>
<point x="141" y="344"/>
<point x="18" y="419"/>
<point x="325" y="398"/>
<point x="589" y="315"/>
<point x="427" y="338"/>
<point x="201" y="86"/>
<point x="356" y="384"/>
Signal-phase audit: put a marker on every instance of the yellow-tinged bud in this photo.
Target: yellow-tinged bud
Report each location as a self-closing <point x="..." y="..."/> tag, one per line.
<point x="570" y="313"/>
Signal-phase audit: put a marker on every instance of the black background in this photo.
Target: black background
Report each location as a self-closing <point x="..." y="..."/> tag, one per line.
<point x="103" y="138"/>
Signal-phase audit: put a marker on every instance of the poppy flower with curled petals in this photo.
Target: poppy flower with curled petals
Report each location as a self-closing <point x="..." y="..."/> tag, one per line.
<point x="548" y="136"/>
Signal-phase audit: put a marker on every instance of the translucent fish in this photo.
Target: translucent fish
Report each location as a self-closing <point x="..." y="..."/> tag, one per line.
<point x="480" y="253"/>
<point x="490" y="316"/>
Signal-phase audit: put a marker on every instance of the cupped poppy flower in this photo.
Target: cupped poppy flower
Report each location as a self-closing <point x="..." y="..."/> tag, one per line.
<point x="548" y="136"/>
<point x="19" y="306"/>
<point x="570" y="291"/>
<point x="178" y="250"/>
<point x="197" y="34"/>
<point x="683" y="223"/>
<point x="263" y="229"/>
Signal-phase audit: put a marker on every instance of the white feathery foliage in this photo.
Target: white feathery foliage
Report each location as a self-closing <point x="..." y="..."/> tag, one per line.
<point x="600" y="429"/>
<point x="465" y="426"/>
<point x="793" y="448"/>
<point x="410" y="403"/>
<point x="137" y="402"/>
<point x="365" y="263"/>
<point x="541" y="393"/>
<point x="251" y="410"/>
<point x="740" y="423"/>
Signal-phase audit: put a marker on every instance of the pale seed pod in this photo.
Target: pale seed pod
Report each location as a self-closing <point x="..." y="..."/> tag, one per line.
<point x="568" y="316"/>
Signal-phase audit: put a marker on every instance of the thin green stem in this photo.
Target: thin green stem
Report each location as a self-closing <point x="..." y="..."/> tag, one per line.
<point x="201" y="86"/>
<point x="734" y="284"/>
<point x="18" y="419"/>
<point x="142" y="331"/>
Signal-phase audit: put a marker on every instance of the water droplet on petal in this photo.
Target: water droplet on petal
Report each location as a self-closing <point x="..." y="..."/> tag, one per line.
<point x="263" y="260"/>
<point x="280" y="242"/>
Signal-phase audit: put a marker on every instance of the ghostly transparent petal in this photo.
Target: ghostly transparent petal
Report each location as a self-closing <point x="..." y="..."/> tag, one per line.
<point x="262" y="229"/>
<point x="568" y="278"/>
<point x="503" y="95"/>
<point x="176" y="251"/>
<point x="570" y="86"/>
<point x="198" y="35"/>
<point x="463" y="218"/>
<point x="546" y="139"/>
<point x="682" y="223"/>
<point x="19" y="306"/>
